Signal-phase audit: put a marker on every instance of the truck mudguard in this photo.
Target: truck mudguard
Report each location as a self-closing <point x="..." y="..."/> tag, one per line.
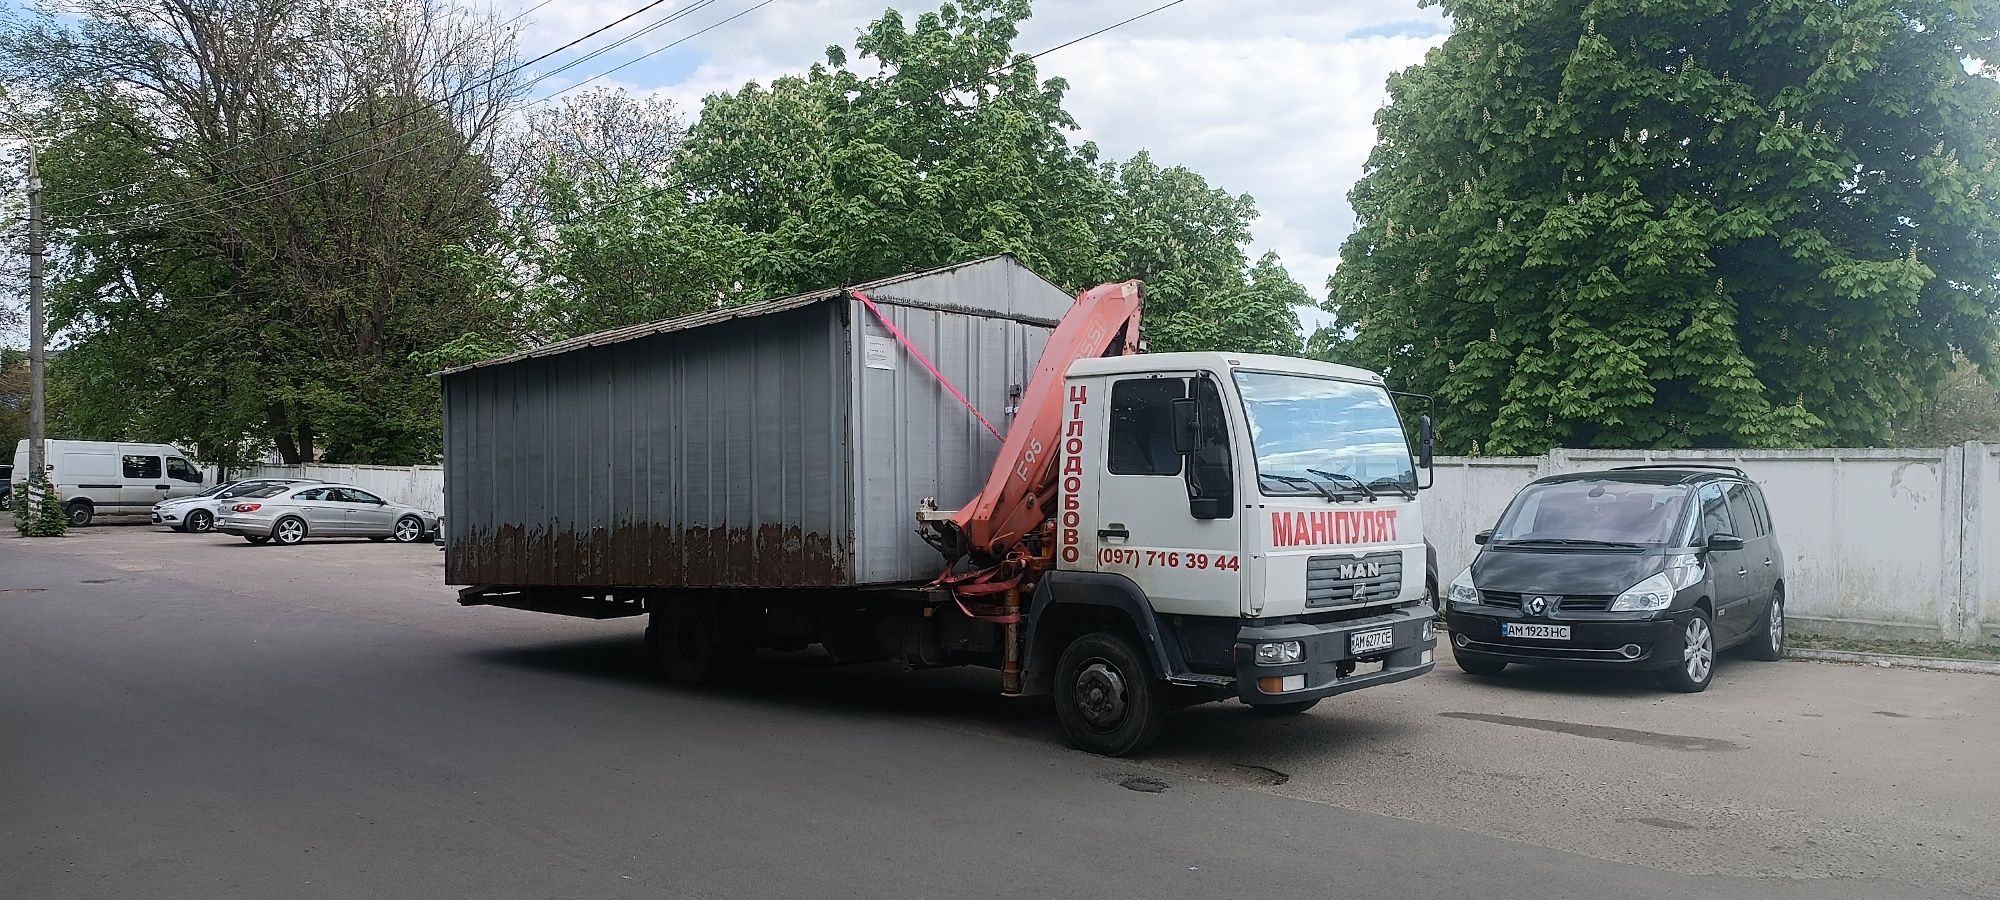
<point x="1098" y="589"/>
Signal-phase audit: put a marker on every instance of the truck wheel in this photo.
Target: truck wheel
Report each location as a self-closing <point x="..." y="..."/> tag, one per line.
<point x="79" y="513"/>
<point x="1107" y="698"/>
<point x="688" y="646"/>
<point x="1275" y="710"/>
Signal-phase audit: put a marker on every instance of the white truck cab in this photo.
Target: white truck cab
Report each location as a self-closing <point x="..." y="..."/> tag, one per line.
<point x="1262" y="512"/>
<point x="110" y="478"/>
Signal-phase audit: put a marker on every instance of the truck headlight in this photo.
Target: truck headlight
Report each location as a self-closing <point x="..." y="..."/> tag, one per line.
<point x="1278" y="653"/>
<point x="1654" y="593"/>
<point x="1462" y="592"/>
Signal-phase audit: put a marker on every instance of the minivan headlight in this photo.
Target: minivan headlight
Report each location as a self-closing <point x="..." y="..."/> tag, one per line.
<point x="1462" y="592"/>
<point x="1656" y="592"/>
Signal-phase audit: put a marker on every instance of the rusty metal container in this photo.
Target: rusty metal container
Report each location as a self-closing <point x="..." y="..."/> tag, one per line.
<point x="783" y="444"/>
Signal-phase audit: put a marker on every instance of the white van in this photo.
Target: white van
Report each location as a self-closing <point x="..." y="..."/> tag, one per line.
<point x="106" y="478"/>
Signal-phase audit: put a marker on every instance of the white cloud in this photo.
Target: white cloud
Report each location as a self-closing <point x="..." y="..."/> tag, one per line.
<point x="1274" y="98"/>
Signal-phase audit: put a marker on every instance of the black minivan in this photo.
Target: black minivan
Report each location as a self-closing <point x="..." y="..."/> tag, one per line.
<point x="1643" y="567"/>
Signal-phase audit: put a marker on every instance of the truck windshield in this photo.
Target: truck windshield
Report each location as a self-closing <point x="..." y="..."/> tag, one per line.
<point x="1306" y="428"/>
<point x="1593" y="512"/>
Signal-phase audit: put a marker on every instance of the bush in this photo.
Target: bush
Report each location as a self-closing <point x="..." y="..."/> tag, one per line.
<point x="49" y="521"/>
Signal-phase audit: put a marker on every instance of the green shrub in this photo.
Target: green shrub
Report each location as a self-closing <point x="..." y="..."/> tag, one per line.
<point x="49" y="521"/>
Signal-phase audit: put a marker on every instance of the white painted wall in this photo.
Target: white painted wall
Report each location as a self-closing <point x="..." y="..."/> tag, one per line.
<point x="418" y="486"/>
<point x="1878" y="543"/>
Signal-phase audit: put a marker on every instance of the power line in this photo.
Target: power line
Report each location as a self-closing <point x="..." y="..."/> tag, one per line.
<point x="235" y="193"/>
<point x="428" y="104"/>
<point x="943" y="94"/>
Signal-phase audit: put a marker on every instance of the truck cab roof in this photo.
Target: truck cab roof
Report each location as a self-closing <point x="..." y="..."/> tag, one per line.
<point x="1219" y="362"/>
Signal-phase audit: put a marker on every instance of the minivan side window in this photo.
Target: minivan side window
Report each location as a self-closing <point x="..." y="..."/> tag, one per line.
<point x="1743" y="512"/>
<point x="1763" y="512"/>
<point x="1142" y="435"/>
<point x="1714" y="512"/>
<point x="180" y="469"/>
<point x="142" y="467"/>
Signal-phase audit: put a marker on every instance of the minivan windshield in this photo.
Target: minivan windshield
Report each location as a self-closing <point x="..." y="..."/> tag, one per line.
<point x="1309" y="430"/>
<point x="1594" y="512"/>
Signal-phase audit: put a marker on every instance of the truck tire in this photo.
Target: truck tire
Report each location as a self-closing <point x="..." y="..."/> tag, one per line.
<point x="1108" y="699"/>
<point x="686" y="643"/>
<point x="80" y="512"/>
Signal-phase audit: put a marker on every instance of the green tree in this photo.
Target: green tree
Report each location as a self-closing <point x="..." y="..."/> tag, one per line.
<point x="13" y="401"/>
<point x="1671" y="223"/>
<point x="256" y="207"/>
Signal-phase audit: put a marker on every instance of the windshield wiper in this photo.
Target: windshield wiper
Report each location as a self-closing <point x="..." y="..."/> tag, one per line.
<point x="1582" y="542"/>
<point x="1338" y="478"/>
<point x="1310" y="484"/>
<point x="1394" y="484"/>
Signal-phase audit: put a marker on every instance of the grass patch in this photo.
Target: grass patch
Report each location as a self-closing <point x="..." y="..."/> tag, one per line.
<point x="1988" y="653"/>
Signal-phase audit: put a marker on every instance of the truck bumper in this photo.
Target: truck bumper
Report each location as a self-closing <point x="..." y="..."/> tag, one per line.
<point x="1328" y="651"/>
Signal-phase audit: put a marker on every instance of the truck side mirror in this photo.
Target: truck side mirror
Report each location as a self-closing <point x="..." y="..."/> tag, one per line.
<point x="1186" y="425"/>
<point x="1426" y="436"/>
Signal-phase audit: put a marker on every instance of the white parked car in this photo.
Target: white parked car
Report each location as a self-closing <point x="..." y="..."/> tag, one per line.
<point x="290" y="513"/>
<point x="107" y="478"/>
<point x="200" y="512"/>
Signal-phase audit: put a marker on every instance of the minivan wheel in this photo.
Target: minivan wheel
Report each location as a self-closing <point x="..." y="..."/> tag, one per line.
<point x="79" y="513"/>
<point x="199" y="522"/>
<point x="1770" y="645"/>
<point x="1697" y="666"/>
<point x="289" y="530"/>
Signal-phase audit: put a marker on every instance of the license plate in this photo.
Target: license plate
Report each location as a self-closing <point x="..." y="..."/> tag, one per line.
<point x="1371" y="641"/>
<point x="1534" y="632"/>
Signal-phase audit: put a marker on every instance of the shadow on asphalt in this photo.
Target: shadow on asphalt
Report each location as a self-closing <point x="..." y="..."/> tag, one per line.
<point x="957" y="696"/>
<point x="1584" y="682"/>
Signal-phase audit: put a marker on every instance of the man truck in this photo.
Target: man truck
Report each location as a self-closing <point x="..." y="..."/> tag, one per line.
<point x="955" y="467"/>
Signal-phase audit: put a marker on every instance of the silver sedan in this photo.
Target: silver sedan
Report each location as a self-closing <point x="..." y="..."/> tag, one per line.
<point x="291" y="513"/>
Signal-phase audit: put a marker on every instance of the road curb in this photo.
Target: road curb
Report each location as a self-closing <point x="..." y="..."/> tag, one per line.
<point x="1889" y="660"/>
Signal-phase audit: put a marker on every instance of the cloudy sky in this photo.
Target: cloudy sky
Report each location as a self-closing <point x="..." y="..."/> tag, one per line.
<point x="1274" y="98"/>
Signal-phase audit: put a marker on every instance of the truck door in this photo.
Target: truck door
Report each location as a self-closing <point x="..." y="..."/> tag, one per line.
<point x="145" y="481"/>
<point x="1144" y="524"/>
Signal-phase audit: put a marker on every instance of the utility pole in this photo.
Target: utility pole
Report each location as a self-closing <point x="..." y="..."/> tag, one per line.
<point x="38" y="469"/>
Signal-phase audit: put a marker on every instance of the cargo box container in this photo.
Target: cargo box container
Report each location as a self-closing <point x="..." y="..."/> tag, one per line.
<point x="783" y="444"/>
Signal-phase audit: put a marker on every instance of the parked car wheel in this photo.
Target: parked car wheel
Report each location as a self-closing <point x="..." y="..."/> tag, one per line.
<point x="1770" y="645"/>
<point x="1697" y="666"/>
<point x="80" y="512"/>
<point x="199" y="522"/>
<point x="289" y="530"/>
<point x="1471" y="666"/>
<point x="257" y="538"/>
<point x="1106" y="696"/>
<point x="409" y="530"/>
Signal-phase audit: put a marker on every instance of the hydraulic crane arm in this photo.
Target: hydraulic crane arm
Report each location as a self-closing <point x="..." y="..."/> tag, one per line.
<point x="1021" y="492"/>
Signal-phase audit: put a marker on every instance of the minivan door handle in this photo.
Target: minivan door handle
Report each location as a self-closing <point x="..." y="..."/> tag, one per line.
<point x="1113" y="530"/>
<point x="1767" y="562"/>
<point x="1745" y="571"/>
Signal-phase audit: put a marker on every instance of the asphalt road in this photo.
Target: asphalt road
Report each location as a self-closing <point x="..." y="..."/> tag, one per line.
<point x="193" y="717"/>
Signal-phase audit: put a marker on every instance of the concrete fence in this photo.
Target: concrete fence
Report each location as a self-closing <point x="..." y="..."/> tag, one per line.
<point x="418" y="486"/>
<point x="1878" y="543"/>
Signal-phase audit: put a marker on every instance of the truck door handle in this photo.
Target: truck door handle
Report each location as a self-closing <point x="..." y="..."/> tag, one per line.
<point x="1114" y="530"/>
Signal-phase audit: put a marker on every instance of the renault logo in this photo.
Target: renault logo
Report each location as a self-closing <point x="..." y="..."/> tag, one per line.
<point x="1535" y="605"/>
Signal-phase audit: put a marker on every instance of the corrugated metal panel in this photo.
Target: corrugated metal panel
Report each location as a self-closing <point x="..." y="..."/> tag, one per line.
<point x="710" y="460"/>
<point x="730" y="455"/>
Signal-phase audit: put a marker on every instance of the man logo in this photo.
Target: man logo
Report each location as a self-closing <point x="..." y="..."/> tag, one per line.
<point x="1351" y="571"/>
<point x="1535" y="605"/>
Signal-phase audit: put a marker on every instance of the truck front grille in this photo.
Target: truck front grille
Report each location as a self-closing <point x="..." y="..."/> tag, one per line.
<point x="1351" y="580"/>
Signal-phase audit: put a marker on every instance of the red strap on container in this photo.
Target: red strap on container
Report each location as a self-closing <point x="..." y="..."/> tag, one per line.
<point x="919" y="354"/>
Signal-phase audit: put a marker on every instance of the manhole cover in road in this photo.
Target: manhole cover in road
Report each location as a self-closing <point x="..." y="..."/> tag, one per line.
<point x="1143" y="784"/>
